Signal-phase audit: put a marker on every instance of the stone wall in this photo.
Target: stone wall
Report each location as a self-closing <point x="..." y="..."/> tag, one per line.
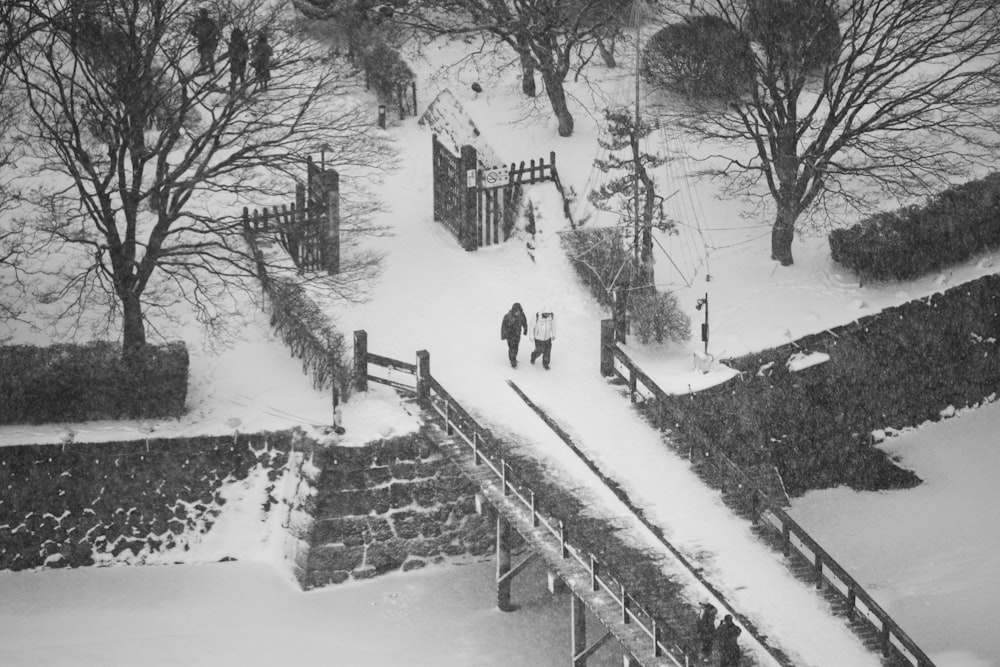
<point x="129" y="502"/>
<point x="392" y="505"/>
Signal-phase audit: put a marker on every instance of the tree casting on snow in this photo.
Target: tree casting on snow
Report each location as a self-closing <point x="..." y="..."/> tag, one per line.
<point x="138" y="153"/>
<point x="885" y="93"/>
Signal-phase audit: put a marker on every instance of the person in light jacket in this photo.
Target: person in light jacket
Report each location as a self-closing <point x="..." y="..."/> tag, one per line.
<point x="512" y="327"/>
<point x="544" y="332"/>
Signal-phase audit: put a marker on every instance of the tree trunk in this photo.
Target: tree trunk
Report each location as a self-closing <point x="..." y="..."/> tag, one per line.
<point x="527" y="70"/>
<point x="133" y="329"/>
<point x="782" y="234"/>
<point x="607" y="53"/>
<point x="557" y="97"/>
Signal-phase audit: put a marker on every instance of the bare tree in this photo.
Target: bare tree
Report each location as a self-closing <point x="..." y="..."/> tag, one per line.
<point x="546" y="35"/>
<point x="897" y="98"/>
<point x="147" y="163"/>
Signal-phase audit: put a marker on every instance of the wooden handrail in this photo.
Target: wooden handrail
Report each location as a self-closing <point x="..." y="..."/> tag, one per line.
<point x="787" y="526"/>
<point x="473" y="435"/>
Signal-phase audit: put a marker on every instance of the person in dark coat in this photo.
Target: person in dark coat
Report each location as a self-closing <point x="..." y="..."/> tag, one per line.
<point x="239" y="49"/>
<point x="706" y="628"/>
<point x="260" y="60"/>
<point x="513" y="326"/>
<point x="207" y="35"/>
<point x="726" y="638"/>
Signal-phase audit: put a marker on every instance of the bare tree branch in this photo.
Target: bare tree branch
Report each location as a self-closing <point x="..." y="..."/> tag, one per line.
<point x="149" y="164"/>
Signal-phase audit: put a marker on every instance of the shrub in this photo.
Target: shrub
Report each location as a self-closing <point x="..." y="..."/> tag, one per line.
<point x="914" y="240"/>
<point x="795" y="33"/>
<point x="310" y="335"/>
<point x="600" y="259"/>
<point x="656" y="317"/>
<point x="74" y="383"/>
<point x="703" y="57"/>
<point x="385" y="71"/>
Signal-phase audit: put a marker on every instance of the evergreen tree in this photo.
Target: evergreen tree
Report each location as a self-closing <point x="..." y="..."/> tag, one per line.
<point x="631" y="192"/>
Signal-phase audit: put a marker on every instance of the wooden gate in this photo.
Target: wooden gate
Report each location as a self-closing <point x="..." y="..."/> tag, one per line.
<point x="308" y="229"/>
<point x="481" y="205"/>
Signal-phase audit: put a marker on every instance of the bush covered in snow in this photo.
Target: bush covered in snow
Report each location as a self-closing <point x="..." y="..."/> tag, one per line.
<point x="600" y="259"/>
<point x="386" y="72"/>
<point x="656" y="317"/>
<point x="75" y="383"/>
<point x="916" y="240"/>
<point x="703" y="57"/>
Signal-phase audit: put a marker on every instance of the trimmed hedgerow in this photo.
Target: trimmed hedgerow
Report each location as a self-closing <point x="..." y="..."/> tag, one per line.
<point x="74" y="383"/>
<point x="898" y="368"/>
<point x="915" y="240"/>
<point x="310" y="335"/>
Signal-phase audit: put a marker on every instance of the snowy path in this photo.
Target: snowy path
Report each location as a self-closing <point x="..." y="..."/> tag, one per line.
<point x="437" y="297"/>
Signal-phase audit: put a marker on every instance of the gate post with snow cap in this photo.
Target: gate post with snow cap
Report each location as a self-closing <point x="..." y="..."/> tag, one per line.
<point x="468" y="225"/>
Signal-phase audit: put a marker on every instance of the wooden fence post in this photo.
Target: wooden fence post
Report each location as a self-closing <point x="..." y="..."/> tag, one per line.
<point x="607" y="348"/>
<point x="435" y="176"/>
<point x="423" y="373"/>
<point x="619" y="313"/>
<point x="361" y="360"/>
<point x="468" y="234"/>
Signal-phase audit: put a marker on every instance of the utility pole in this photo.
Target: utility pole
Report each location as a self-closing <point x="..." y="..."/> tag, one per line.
<point x="704" y="326"/>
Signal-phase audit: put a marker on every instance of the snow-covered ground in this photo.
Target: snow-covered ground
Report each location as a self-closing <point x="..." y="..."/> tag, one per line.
<point x="435" y="296"/>
<point x="247" y="614"/>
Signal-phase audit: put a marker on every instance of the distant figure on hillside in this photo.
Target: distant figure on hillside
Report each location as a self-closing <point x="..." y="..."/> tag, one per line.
<point x="512" y="327"/>
<point x="260" y="59"/>
<point x="207" y="35"/>
<point x="544" y="332"/>
<point x="726" y="637"/>
<point x="239" y="49"/>
<point x="706" y="628"/>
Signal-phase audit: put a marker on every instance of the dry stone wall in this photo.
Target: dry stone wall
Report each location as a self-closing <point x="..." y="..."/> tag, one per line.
<point x="392" y="505"/>
<point x="94" y="503"/>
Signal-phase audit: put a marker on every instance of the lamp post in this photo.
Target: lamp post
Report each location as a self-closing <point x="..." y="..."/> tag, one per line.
<point x="704" y="326"/>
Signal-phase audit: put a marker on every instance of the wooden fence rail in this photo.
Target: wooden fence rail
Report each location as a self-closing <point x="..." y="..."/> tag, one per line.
<point x="768" y="513"/>
<point x="665" y="640"/>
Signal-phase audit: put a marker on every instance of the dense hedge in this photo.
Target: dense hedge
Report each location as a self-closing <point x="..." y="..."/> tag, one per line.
<point x="915" y="240"/>
<point x="385" y="71"/>
<point x="896" y="369"/>
<point x="703" y="57"/>
<point x="91" y="502"/>
<point x="75" y="383"/>
<point x="795" y="33"/>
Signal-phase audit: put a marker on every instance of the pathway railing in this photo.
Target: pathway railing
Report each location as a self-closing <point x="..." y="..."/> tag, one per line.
<point x="768" y="513"/>
<point x="665" y="640"/>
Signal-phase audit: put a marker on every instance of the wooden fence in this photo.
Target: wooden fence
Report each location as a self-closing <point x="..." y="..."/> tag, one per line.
<point x="480" y="205"/>
<point x="664" y="639"/>
<point x="309" y="228"/>
<point x="769" y="515"/>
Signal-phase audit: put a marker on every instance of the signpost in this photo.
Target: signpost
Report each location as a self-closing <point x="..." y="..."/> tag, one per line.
<point x="494" y="178"/>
